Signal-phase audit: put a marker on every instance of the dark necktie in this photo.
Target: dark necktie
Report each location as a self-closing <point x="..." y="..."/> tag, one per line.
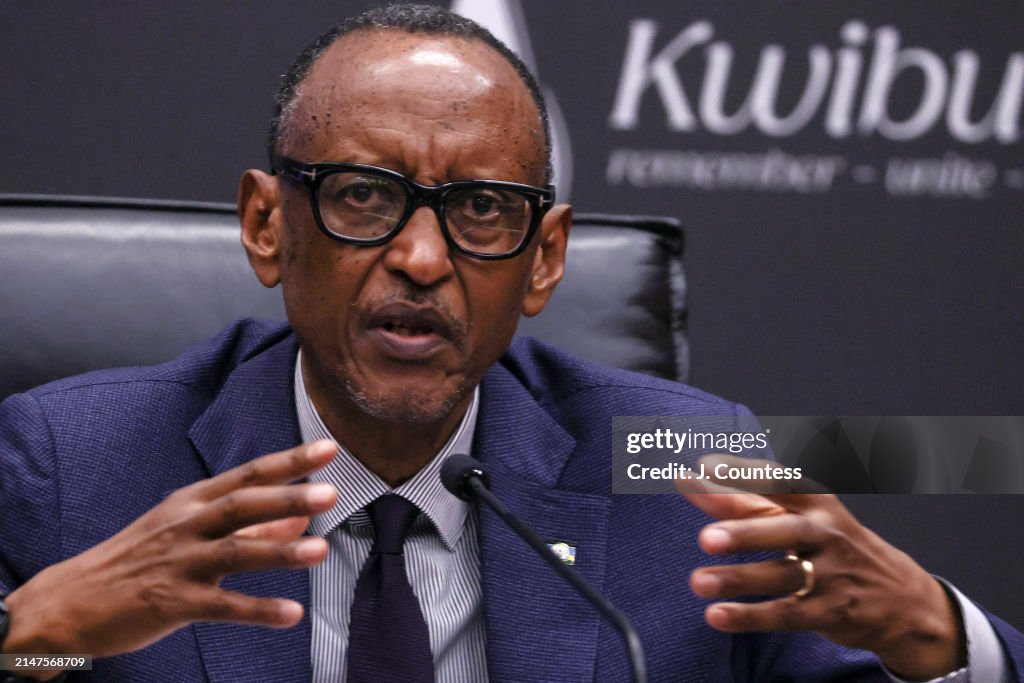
<point x="388" y="640"/>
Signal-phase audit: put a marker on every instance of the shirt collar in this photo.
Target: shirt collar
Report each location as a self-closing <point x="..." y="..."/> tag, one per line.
<point x="357" y="486"/>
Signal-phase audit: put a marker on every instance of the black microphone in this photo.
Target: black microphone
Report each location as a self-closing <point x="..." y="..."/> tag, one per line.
<point x="465" y="477"/>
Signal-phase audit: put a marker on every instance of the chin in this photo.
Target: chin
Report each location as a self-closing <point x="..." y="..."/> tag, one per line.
<point x="407" y="406"/>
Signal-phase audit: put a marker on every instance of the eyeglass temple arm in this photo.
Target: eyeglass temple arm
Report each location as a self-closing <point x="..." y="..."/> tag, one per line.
<point x="292" y="169"/>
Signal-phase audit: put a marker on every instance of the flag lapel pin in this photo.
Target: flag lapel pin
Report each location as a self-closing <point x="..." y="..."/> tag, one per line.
<point x="565" y="552"/>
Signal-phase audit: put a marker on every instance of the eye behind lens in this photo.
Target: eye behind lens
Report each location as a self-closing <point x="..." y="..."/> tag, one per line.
<point x="361" y="205"/>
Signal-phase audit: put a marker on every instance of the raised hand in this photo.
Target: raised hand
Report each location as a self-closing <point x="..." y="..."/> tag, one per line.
<point x="864" y="593"/>
<point x="162" y="572"/>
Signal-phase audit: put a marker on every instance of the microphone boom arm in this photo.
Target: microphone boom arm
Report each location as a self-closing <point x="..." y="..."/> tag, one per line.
<point x="474" y="487"/>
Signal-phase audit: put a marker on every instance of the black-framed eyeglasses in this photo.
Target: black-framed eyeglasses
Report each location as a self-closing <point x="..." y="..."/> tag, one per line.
<point x="367" y="205"/>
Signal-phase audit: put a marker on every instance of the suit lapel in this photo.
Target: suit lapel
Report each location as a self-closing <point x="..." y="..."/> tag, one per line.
<point x="538" y="627"/>
<point x="254" y="414"/>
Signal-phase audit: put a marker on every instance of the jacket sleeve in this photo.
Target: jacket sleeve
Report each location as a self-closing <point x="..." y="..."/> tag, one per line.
<point x="1013" y="645"/>
<point x="29" y="493"/>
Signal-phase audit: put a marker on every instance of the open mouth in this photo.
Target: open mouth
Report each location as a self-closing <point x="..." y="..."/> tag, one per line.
<point x="405" y="329"/>
<point x="410" y="332"/>
<point x="408" y="320"/>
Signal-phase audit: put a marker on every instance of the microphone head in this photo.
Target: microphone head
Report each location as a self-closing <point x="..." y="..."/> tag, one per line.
<point x="457" y="470"/>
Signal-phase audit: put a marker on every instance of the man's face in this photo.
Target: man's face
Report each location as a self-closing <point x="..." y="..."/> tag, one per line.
<point x="405" y="330"/>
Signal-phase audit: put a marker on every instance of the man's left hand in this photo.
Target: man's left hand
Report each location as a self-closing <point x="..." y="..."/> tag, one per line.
<point x="866" y="593"/>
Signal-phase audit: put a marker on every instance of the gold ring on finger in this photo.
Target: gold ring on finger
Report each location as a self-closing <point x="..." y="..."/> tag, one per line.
<point x="807" y="567"/>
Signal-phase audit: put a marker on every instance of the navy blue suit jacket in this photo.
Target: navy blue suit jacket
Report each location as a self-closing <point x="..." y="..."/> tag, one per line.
<point x="82" y="458"/>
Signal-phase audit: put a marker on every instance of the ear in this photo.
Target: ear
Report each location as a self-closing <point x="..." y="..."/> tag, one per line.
<point x="549" y="259"/>
<point x="260" y="216"/>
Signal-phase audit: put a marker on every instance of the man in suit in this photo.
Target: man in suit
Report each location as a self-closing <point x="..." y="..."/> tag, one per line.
<point x="409" y="221"/>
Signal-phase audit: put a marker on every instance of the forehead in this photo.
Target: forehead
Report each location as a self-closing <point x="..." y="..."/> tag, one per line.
<point x="408" y="100"/>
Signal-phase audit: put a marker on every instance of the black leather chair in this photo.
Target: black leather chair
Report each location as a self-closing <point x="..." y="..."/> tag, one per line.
<point x="88" y="283"/>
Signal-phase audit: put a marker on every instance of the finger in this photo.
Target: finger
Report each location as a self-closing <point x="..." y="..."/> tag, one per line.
<point x="278" y="530"/>
<point x="277" y="468"/>
<point x="255" y="505"/>
<point x="214" y="604"/>
<point x="779" y="532"/>
<point x="232" y="555"/>
<point x="727" y="505"/>
<point x="730" y="503"/>
<point x="784" y="614"/>
<point x="802" y="502"/>
<point x="774" y="577"/>
<point x="753" y="475"/>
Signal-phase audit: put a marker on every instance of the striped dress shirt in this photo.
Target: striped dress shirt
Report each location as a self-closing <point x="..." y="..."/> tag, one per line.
<point x="442" y="558"/>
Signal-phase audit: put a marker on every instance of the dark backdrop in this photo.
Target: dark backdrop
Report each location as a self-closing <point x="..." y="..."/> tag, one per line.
<point x="859" y="256"/>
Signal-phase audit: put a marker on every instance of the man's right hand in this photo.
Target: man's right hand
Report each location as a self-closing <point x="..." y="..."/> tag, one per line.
<point x="163" y="571"/>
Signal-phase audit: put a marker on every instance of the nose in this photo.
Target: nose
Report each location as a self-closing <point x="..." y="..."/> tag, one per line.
<point x="419" y="251"/>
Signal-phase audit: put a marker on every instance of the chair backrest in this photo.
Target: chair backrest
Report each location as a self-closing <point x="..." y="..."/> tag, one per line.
<point x="89" y="283"/>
